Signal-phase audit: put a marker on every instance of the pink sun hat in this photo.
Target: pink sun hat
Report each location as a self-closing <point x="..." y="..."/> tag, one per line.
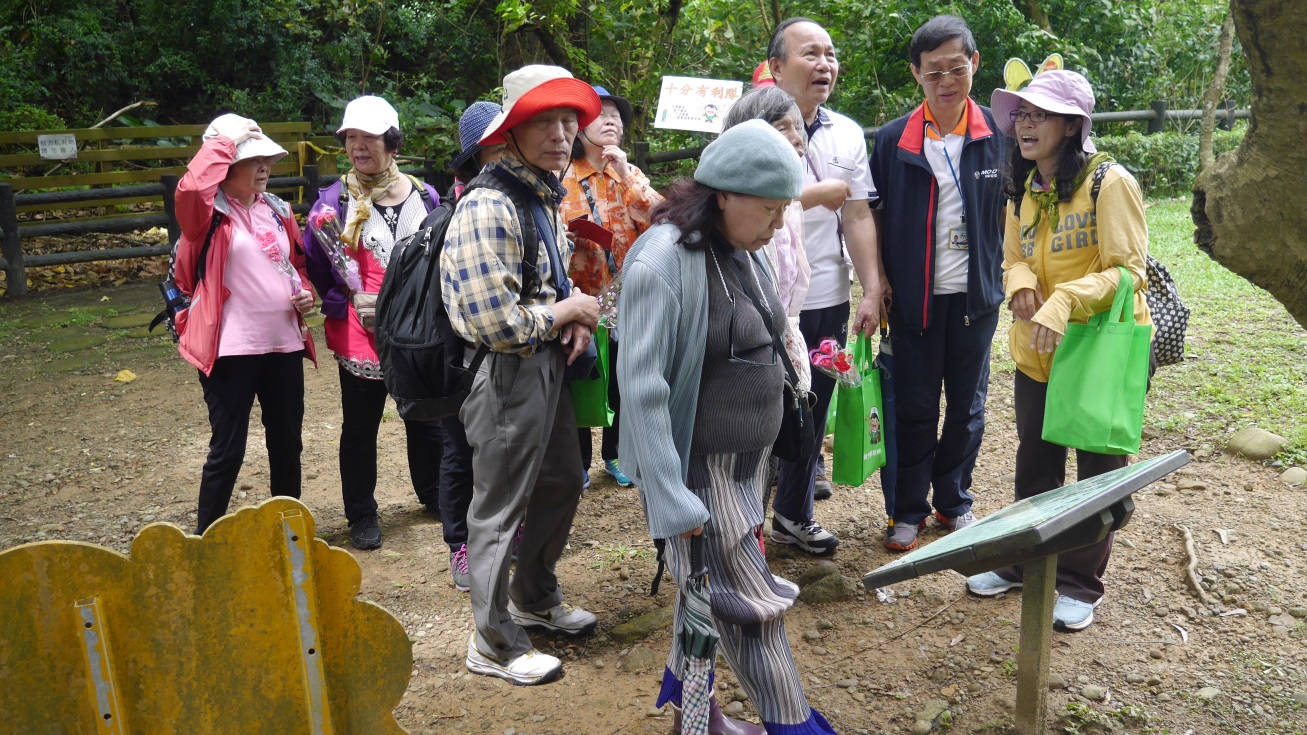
<point x="1057" y="92"/>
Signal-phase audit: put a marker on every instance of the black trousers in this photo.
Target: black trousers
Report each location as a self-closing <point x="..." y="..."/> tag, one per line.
<point x="362" y="402"/>
<point x="797" y="480"/>
<point x="608" y="446"/>
<point x="277" y="380"/>
<point x="455" y="482"/>
<point x="1041" y="466"/>
<point x="950" y="356"/>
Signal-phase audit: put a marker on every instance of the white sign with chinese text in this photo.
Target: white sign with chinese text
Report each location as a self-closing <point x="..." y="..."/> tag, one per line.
<point x="58" y="147"/>
<point x="687" y="103"/>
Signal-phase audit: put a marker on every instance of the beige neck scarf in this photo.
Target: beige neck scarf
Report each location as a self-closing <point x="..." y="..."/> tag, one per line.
<point x="366" y="189"/>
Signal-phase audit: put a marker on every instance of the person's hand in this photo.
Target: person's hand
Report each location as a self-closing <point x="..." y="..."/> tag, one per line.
<point x="870" y="310"/>
<point x="692" y="533"/>
<point x="249" y="131"/>
<point x="302" y="301"/>
<point x="1025" y="303"/>
<point x="576" y="338"/>
<point x="616" y="157"/>
<point x="830" y="193"/>
<point x="579" y="307"/>
<point x="1043" y="339"/>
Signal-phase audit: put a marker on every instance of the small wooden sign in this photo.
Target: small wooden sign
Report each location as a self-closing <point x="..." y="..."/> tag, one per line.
<point x="59" y="147"/>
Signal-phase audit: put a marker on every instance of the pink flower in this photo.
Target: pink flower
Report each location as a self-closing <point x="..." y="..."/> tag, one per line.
<point x="322" y="218"/>
<point x="269" y="245"/>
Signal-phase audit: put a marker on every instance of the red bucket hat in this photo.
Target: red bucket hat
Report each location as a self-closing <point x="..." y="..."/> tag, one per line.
<point x="533" y="89"/>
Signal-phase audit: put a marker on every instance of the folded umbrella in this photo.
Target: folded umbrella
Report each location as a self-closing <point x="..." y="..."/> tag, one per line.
<point x="698" y="640"/>
<point x="889" y="474"/>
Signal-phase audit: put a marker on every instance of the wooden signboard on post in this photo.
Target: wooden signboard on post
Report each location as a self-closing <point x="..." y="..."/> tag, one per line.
<point x="1033" y="532"/>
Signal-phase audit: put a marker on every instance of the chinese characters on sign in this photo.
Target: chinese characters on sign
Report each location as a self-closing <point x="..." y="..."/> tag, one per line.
<point x="58" y="147"/>
<point x="686" y="103"/>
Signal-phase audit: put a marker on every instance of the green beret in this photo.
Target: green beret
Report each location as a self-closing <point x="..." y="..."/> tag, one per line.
<point x="752" y="158"/>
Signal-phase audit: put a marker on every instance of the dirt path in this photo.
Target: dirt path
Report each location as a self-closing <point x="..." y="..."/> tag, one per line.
<point x="90" y="459"/>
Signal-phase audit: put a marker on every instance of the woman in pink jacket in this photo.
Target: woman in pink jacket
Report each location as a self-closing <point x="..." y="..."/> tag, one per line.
<point x="241" y="262"/>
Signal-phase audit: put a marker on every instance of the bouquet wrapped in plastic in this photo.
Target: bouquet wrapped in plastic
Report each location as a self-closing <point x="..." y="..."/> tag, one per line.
<point x="607" y="299"/>
<point x="268" y="244"/>
<point x="836" y="361"/>
<point x="327" y="231"/>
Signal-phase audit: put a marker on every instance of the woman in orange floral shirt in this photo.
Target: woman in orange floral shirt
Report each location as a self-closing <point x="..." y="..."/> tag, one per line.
<point x="604" y="188"/>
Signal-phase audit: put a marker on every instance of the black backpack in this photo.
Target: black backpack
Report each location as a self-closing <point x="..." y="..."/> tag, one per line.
<point x="421" y="355"/>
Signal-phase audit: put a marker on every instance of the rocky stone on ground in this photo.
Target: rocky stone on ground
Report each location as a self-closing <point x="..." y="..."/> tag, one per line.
<point x="640" y="660"/>
<point x="1255" y="444"/>
<point x="1294" y="476"/>
<point x="823" y="568"/>
<point x="1093" y="692"/>
<point x="831" y="588"/>
<point x="644" y="626"/>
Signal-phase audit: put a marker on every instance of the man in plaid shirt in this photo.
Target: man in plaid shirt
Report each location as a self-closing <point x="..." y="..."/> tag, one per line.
<point x="519" y="416"/>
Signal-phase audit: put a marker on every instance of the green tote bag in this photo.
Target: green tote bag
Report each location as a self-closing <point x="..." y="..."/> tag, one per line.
<point x="1098" y="380"/>
<point x="859" y="428"/>
<point x="590" y="397"/>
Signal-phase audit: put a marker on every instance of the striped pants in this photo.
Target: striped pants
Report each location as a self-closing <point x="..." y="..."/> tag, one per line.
<point x="748" y="602"/>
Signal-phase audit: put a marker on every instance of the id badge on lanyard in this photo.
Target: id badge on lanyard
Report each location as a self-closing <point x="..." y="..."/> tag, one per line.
<point x="957" y="236"/>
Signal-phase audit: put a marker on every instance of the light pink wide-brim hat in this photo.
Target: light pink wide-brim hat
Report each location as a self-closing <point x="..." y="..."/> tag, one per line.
<point x="231" y="125"/>
<point x="1058" y="92"/>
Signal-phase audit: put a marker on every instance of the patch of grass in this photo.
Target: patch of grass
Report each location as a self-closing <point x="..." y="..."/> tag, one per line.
<point x="610" y="554"/>
<point x="1244" y="363"/>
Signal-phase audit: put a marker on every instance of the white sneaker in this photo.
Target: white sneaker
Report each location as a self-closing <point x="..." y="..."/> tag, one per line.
<point x="808" y="535"/>
<point x="532" y="667"/>
<point x="562" y="617"/>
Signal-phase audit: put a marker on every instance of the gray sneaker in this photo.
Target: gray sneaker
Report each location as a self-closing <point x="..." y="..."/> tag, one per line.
<point x="956" y="523"/>
<point x="458" y="569"/>
<point x="902" y="536"/>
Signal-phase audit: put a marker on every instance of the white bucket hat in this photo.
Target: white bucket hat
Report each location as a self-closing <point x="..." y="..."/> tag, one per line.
<point x="231" y="125"/>
<point x="536" y="88"/>
<point x="372" y="115"/>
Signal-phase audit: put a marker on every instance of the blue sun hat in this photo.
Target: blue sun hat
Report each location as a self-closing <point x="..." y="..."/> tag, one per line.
<point x="471" y="128"/>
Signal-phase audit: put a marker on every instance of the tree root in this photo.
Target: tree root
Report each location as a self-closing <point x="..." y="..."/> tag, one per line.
<point x="1191" y="570"/>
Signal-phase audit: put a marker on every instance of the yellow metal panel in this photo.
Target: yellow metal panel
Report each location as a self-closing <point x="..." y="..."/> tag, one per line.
<point x="99" y="667"/>
<point x="207" y="635"/>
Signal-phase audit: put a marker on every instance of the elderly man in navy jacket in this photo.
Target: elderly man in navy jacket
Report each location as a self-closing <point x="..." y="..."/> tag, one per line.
<point x="938" y="208"/>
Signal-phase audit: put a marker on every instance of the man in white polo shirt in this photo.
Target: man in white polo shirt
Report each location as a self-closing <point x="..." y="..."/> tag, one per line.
<point x="837" y="230"/>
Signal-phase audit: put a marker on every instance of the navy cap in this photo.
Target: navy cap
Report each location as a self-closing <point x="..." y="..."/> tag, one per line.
<point x="623" y="107"/>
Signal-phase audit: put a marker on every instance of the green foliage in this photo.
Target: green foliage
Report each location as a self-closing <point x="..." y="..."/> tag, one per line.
<point x="1165" y="164"/>
<point x="79" y="60"/>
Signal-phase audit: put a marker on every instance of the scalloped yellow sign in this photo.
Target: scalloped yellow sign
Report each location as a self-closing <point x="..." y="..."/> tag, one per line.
<point x="253" y="628"/>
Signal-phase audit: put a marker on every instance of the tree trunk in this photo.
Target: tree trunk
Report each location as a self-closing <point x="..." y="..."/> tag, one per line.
<point x="1248" y="205"/>
<point x="1214" y="90"/>
<point x="1035" y="12"/>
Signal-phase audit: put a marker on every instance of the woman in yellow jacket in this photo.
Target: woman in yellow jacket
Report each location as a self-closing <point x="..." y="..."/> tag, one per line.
<point x="1061" y="250"/>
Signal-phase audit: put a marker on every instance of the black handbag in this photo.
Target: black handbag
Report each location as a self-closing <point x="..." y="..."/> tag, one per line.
<point x="798" y="434"/>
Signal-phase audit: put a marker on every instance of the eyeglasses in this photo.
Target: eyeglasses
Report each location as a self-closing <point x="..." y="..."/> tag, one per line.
<point x="935" y="77"/>
<point x="1035" y="116"/>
